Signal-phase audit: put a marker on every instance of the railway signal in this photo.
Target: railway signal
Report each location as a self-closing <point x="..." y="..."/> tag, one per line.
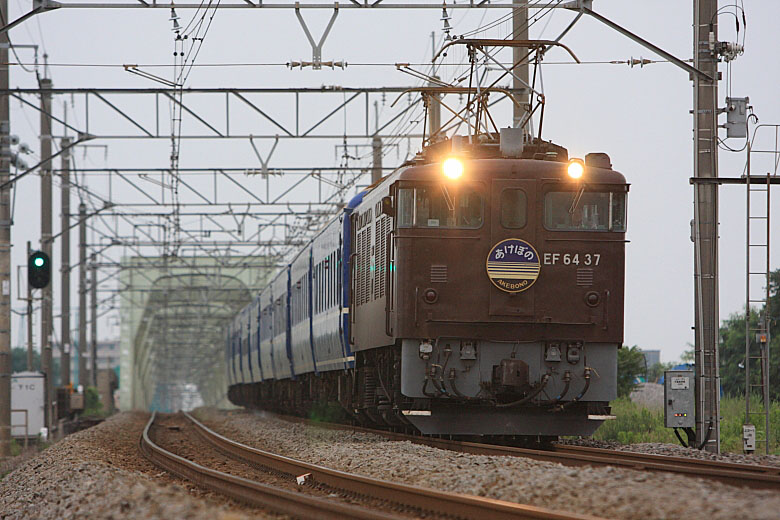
<point x="38" y="269"/>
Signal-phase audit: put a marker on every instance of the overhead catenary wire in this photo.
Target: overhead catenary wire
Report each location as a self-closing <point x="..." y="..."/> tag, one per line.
<point x="285" y="65"/>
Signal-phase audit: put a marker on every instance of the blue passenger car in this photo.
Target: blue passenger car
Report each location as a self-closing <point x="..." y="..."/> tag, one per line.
<point x="298" y="324"/>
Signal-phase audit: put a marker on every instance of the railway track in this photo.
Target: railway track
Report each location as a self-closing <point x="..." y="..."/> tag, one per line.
<point x="301" y="505"/>
<point x="743" y="475"/>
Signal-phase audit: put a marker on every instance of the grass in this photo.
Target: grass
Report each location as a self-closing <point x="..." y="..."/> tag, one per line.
<point x="16" y="448"/>
<point x="636" y="424"/>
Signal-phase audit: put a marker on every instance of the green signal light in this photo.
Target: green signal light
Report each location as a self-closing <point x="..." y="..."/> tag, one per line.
<point x="38" y="262"/>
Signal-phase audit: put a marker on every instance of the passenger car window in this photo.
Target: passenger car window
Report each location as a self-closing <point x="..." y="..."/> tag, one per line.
<point x="437" y="206"/>
<point x="514" y="205"/>
<point x="585" y="211"/>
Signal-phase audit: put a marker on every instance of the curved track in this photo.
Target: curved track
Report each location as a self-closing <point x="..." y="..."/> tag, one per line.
<point x="743" y="475"/>
<point x="436" y="503"/>
<point x="254" y="493"/>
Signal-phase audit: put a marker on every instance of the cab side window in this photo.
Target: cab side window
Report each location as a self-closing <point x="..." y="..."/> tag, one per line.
<point x="514" y="206"/>
<point x="585" y="211"/>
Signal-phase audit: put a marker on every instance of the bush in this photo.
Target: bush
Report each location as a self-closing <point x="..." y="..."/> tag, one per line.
<point x="631" y="365"/>
<point x="636" y="424"/>
<point x="92" y="404"/>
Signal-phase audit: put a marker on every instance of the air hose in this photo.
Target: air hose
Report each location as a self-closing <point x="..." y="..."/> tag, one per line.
<point x="536" y="391"/>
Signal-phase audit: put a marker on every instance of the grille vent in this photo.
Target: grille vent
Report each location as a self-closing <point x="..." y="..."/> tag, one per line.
<point x="382" y="228"/>
<point x="439" y="274"/>
<point x="584" y="277"/>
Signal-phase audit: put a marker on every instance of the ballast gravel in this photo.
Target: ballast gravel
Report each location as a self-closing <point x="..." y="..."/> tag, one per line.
<point x="673" y="450"/>
<point x="603" y="491"/>
<point x="98" y="473"/>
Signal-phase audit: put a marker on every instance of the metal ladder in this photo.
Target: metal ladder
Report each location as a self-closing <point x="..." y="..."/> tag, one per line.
<point x="758" y="204"/>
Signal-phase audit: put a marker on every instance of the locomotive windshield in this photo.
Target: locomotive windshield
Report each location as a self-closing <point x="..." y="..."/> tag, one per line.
<point x="436" y="206"/>
<point x="586" y="211"/>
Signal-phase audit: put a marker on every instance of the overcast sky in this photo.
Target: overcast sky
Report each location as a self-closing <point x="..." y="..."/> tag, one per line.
<point x="639" y="116"/>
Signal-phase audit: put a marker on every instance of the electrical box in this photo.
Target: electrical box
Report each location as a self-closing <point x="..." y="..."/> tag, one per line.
<point x="679" y="399"/>
<point x="27" y="403"/>
<point x="736" y="117"/>
<point x="749" y="438"/>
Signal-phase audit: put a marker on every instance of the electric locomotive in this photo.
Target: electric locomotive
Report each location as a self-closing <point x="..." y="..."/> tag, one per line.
<point x="477" y="290"/>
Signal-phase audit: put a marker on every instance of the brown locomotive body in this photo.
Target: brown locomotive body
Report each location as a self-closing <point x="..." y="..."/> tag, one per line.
<point x="489" y="304"/>
<point x="486" y="341"/>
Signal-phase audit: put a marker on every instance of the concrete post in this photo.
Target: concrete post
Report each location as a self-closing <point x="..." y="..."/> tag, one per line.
<point x="83" y="295"/>
<point x="705" y="225"/>
<point x="5" y="251"/>
<point x="522" y="94"/>
<point x="376" y="165"/>
<point x="46" y="234"/>
<point x="93" y="324"/>
<point x="65" y="266"/>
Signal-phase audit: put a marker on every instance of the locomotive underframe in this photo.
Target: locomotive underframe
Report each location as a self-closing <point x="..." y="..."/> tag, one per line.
<point x="382" y="390"/>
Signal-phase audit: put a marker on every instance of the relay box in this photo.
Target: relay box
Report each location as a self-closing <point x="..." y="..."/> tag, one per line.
<point x="679" y="399"/>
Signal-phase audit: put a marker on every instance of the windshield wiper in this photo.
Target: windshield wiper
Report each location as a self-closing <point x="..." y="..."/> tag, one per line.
<point x="576" y="201"/>
<point x="448" y="198"/>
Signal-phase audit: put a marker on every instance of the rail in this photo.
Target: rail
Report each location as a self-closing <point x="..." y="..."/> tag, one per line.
<point x="742" y="475"/>
<point x="248" y="491"/>
<point x="434" y="501"/>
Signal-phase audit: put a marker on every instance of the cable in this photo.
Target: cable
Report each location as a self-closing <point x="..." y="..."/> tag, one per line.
<point x="11" y="45"/>
<point x="285" y="65"/>
<point x="679" y="438"/>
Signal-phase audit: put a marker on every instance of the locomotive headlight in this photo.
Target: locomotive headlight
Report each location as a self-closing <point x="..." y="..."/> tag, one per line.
<point x="576" y="168"/>
<point x="452" y="168"/>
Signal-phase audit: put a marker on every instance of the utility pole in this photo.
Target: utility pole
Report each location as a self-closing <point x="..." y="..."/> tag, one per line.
<point x="520" y="71"/>
<point x="376" y="165"/>
<point x="5" y="249"/>
<point x="46" y="240"/>
<point x="93" y="328"/>
<point x="65" y="265"/>
<point x="376" y="149"/>
<point x="705" y="224"/>
<point x="83" y="295"/>
<point x="29" y="318"/>
<point x="434" y="105"/>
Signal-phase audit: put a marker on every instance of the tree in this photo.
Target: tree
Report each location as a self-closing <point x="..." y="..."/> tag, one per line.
<point x="655" y="372"/>
<point x="19" y="360"/>
<point x="631" y="364"/>
<point x="732" y="346"/>
<point x="19" y="363"/>
<point x="688" y="356"/>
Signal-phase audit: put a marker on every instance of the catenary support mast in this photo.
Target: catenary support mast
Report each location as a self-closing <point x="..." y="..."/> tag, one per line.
<point x="5" y="250"/>
<point x="705" y="224"/>
<point x="93" y="323"/>
<point x="520" y="32"/>
<point x="65" y="263"/>
<point x="83" y="380"/>
<point x="46" y="243"/>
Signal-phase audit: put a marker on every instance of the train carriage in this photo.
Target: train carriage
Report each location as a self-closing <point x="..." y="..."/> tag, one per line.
<point x="281" y="349"/>
<point x="331" y="351"/>
<point x="265" y="333"/>
<point x="477" y="290"/>
<point x="301" y="344"/>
